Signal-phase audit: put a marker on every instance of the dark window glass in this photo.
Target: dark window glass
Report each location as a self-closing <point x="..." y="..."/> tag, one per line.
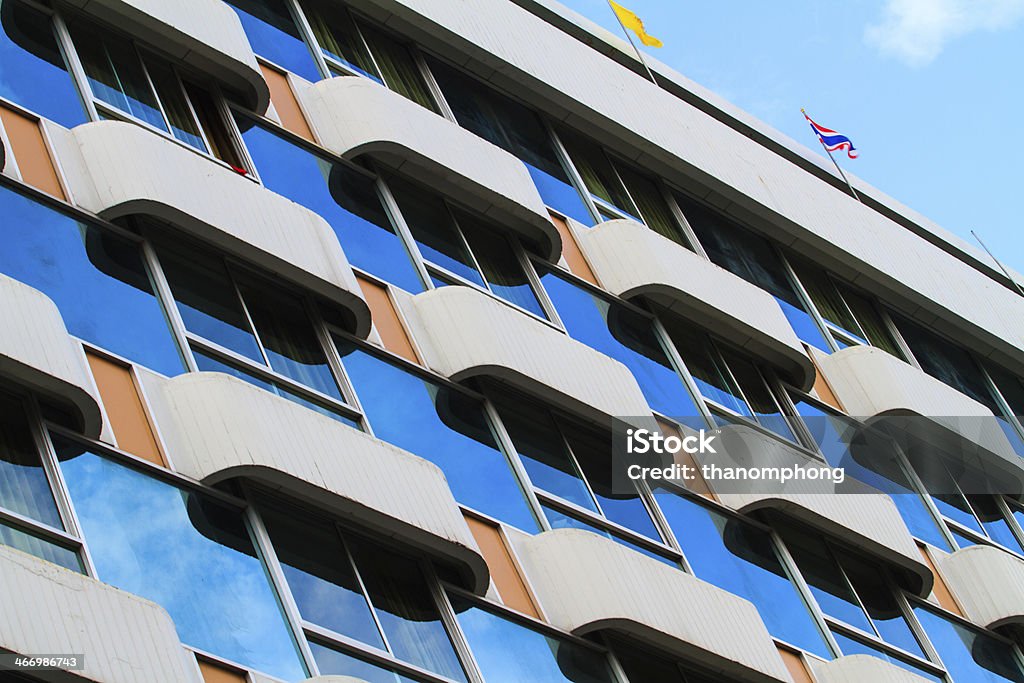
<point x="96" y="278"/>
<point x="24" y="487"/>
<point x="752" y="258"/>
<point x="871" y="322"/>
<point x="44" y="550"/>
<point x="507" y="651"/>
<point x="406" y="609"/>
<point x="274" y="36"/>
<point x="187" y="552"/>
<point x="169" y="89"/>
<point x="342" y="196"/>
<point x="443" y="426"/>
<point x="338" y="37"/>
<point x="643" y="666"/>
<point x="516" y="129"/>
<point x="223" y="143"/>
<point x="499" y="264"/>
<point x="626" y="336"/>
<point x="34" y="73"/>
<point x="332" y="662"/>
<point x="968" y="654"/>
<point x="398" y="67"/>
<point x="115" y="72"/>
<point x="947" y="362"/>
<point x="741" y="558"/>
<point x="651" y="204"/>
<point x="598" y="173"/>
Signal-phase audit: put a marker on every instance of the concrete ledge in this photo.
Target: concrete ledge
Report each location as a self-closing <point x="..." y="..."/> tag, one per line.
<point x="988" y="583"/>
<point x="119" y="169"/>
<point x="124" y="638"/>
<point x="632" y="261"/>
<point x="923" y="413"/>
<point x="463" y="333"/>
<point x="218" y="428"/>
<point x="355" y="116"/>
<point x="587" y="583"/>
<point x="856" y="514"/>
<point x="861" y="668"/>
<point x="36" y="352"/>
<point x="204" y="34"/>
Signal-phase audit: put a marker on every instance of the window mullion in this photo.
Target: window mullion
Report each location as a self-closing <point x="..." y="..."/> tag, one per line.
<point x="890" y="325"/>
<point x="570" y="168"/>
<point x="369" y="50"/>
<point x="308" y="36"/>
<point x="465" y="244"/>
<point x="506" y="444"/>
<point x="790" y="567"/>
<point x="170" y="306"/>
<point x="681" y="220"/>
<point x="805" y="298"/>
<point x="78" y="75"/>
<point x="450" y="620"/>
<point x="997" y="394"/>
<point x="682" y="371"/>
<point x="432" y="85"/>
<point x="362" y="587"/>
<point x="248" y="316"/>
<point x="394" y="212"/>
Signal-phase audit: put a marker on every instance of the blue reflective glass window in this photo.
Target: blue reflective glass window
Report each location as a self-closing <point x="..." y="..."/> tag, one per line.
<point x="185" y="551"/>
<point x="969" y="654"/>
<point x="24" y="486"/>
<point x="561" y="520"/>
<point x="506" y="651"/>
<point x="342" y="196"/>
<point x="272" y="32"/>
<point x="32" y="68"/>
<point x="852" y="646"/>
<point x="443" y="426"/>
<point x="741" y="558"/>
<point x="334" y="662"/>
<point x="626" y="336"/>
<point x="96" y="278"/>
<point x="44" y="550"/>
<point x="516" y="129"/>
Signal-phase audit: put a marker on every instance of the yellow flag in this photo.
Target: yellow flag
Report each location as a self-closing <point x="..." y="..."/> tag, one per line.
<point x="635" y="24"/>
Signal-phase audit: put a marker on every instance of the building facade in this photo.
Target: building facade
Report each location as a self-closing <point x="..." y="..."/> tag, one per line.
<point x="315" y="316"/>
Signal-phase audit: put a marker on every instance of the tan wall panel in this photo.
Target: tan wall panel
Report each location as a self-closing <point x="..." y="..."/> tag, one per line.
<point x="216" y="673"/>
<point x="823" y="390"/>
<point x="940" y="590"/>
<point x="285" y="104"/>
<point x="385" y="317"/>
<point x="30" y="151"/>
<point x="125" y="410"/>
<point x="504" y="573"/>
<point x="795" y="664"/>
<point x="697" y="484"/>
<point x="571" y="251"/>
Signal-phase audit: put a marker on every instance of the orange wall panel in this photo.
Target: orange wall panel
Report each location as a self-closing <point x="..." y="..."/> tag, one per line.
<point x="125" y="410"/>
<point x="386" y="319"/>
<point x="216" y="673"/>
<point x="823" y="390"/>
<point x="571" y="251"/>
<point x="795" y="664"/>
<point x="29" y="149"/>
<point x="503" y="569"/>
<point x="285" y="104"/>
<point x="939" y="590"/>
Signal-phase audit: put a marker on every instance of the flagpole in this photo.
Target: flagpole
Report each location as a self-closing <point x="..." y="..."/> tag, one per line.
<point x="629" y="37"/>
<point x="999" y="263"/>
<point x="834" y="162"/>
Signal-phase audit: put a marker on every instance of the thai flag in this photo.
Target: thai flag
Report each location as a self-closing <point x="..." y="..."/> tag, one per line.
<point x="832" y="140"/>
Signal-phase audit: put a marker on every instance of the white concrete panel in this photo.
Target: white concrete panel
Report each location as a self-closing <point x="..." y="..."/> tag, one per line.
<point x="36" y="352"/>
<point x="204" y="34"/>
<point x="118" y="169"/>
<point x="217" y="427"/>
<point x="124" y="639"/>
<point x="587" y="583"/>
<point x="631" y="260"/>
<point x="520" y="52"/>
<point x="861" y="668"/>
<point x="356" y="116"/>
<point x="859" y="516"/>
<point x="988" y="583"/>
<point x="464" y="333"/>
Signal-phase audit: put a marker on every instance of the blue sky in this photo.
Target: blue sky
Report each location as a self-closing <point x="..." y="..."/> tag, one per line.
<point x="930" y="91"/>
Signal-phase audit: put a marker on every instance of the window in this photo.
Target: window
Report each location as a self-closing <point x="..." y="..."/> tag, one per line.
<point x="29" y="514"/>
<point x="348" y="589"/>
<point x="125" y="81"/>
<point x="620" y="191"/>
<point x="967" y="653"/>
<point x="507" y="651"/>
<point x="96" y="276"/>
<point x="351" y="46"/>
<point x="344" y="196"/>
<point x="441" y="424"/>
<point x="628" y="336"/>
<point x="570" y="463"/>
<point x="754" y="259"/>
<point x="236" y="319"/>
<point x="35" y="74"/>
<point x="186" y="551"/>
<point x="733" y="387"/>
<point x="516" y="129"/>
<point x="460" y="248"/>
<point x="741" y="558"/>
<point x="850" y="317"/>
<point x="641" y="665"/>
<point x="275" y="36"/>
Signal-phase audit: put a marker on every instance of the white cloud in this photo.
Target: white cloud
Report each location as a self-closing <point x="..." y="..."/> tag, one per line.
<point x="916" y="31"/>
